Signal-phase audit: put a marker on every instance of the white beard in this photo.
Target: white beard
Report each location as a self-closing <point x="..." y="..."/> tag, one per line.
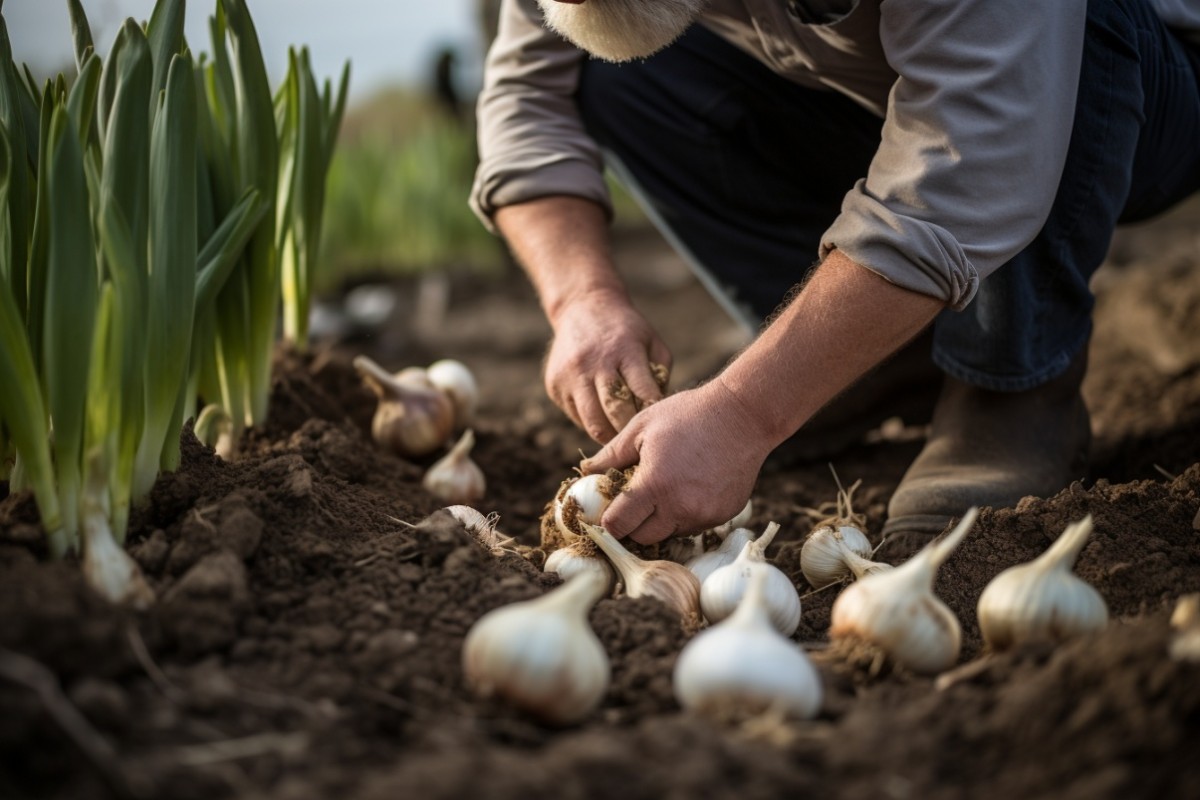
<point x="621" y="30"/>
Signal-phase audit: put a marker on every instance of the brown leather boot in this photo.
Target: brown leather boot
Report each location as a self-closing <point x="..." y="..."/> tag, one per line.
<point x="905" y="386"/>
<point x="989" y="448"/>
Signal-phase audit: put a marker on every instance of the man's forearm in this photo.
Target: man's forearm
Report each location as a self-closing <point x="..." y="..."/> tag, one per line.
<point x="846" y="321"/>
<point x="562" y="243"/>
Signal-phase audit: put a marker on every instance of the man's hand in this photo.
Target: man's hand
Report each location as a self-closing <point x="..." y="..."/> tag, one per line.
<point x="599" y="370"/>
<point x="698" y="454"/>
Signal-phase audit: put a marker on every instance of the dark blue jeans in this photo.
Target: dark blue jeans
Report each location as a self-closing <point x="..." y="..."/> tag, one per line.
<point x="743" y="171"/>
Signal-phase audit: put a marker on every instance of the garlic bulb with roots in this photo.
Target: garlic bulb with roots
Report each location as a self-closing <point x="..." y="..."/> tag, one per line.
<point x="455" y="478"/>
<point x="541" y="655"/>
<point x="727" y="552"/>
<point x="582" y="501"/>
<point x="414" y="418"/>
<point x="671" y="583"/>
<point x="582" y="555"/>
<point x="722" y="591"/>
<point x="830" y="554"/>
<point x="897" y="611"/>
<point x="837" y="547"/>
<point x="1043" y="599"/>
<point x="744" y="665"/>
<point x="458" y="383"/>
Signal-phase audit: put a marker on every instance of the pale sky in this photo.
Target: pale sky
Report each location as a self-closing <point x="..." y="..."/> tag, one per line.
<point x="385" y="40"/>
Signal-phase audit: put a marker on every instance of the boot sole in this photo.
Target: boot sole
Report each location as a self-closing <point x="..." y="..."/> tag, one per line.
<point x="929" y="524"/>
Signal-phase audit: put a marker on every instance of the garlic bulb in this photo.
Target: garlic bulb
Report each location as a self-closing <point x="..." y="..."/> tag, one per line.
<point x="1042" y="599"/>
<point x="831" y="553"/>
<point x="579" y="556"/>
<point x="455" y="379"/>
<point x="897" y="611"/>
<point x="413" y="418"/>
<point x="541" y="655"/>
<point x="455" y="478"/>
<point x="704" y="564"/>
<point x="582" y="500"/>
<point x="107" y="568"/>
<point x="723" y="590"/>
<point x="743" y="664"/>
<point x="667" y="581"/>
<point x="740" y="520"/>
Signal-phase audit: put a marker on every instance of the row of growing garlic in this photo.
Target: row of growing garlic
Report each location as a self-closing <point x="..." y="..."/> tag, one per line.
<point x="419" y="409"/>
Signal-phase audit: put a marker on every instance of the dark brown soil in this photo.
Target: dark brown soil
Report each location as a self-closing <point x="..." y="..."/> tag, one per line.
<point x="306" y="641"/>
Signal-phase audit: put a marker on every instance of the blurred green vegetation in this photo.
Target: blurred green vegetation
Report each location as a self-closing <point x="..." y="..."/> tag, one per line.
<point x="397" y="193"/>
<point x="396" y="198"/>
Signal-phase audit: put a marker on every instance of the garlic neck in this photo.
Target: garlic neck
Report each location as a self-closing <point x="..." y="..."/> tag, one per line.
<point x="576" y="596"/>
<point x="630" y="566"/>
<point x="752" y="610"/>
<point x="1062" y="553"/>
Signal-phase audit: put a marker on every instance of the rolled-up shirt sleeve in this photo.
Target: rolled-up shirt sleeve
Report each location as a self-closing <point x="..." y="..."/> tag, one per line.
<point x="531" y="140"/>
<point x="974" y="141"/>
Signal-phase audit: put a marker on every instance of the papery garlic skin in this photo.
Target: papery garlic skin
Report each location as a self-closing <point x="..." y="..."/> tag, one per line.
<point x="580" y="556"/>
<point x="722" y="591"/>
<point x="897" y="611"/>
<point x="413" y="418"/>
<point x="456" y="380"/>
<point x="744" y="664"/>
<point x="822" y="557"/>
<point x="541" y="655"/>
<point x="705" y="564"/>
<point x="1043" y="599"/>
<point x="671" y="583"/>
<point x="455" y="478"/>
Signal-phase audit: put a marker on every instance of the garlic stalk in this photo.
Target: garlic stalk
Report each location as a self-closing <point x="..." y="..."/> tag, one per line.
<point x="455" y="379"/>
<point x="686" y="549"/>
<point x="582" y="500"/>
<point x="108" y="569"/>
<point x="722" y="591"/>
<point x="744" y="665"/>
<point x="705" y="564"/>
<point x="455" y="478"/>
<point x="541" y="655"/>
<point x="671" y="583"/>
<point x="414" y="418"/>
<point x="832" y="553"/>
<point x="897" y="611"/>
<point x="1042" y="599"/>
<point x="579" y="556"/>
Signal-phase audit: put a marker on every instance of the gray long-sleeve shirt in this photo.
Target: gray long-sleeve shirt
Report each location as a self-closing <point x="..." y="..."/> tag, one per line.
<point x="977" y="98"/>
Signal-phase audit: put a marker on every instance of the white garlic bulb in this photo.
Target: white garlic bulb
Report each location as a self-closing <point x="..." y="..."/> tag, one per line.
<point x="541" y="655"/>
<point x="457" y="381"/>
<point x="581" y="555"/>
<point x="723" y="590"/>
<point x="832" y="553"/>
<point x="897" y="611"/>
<point x="671" y="583"/>
<point x="455" y="478"/>
<point x="581" y="500"/>
<point x="705" y="564"/>
<point x="744" y="665"/>
<point x="413" y="418"/>
<point x="1042" y="599"/>
<point x="740" y="520"/>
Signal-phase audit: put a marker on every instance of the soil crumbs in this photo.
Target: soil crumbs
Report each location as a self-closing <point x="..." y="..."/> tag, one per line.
<point x="312" y="599"/>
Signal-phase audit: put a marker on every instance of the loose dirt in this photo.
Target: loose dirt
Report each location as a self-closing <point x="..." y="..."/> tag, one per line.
<point x="306" y="639"/>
